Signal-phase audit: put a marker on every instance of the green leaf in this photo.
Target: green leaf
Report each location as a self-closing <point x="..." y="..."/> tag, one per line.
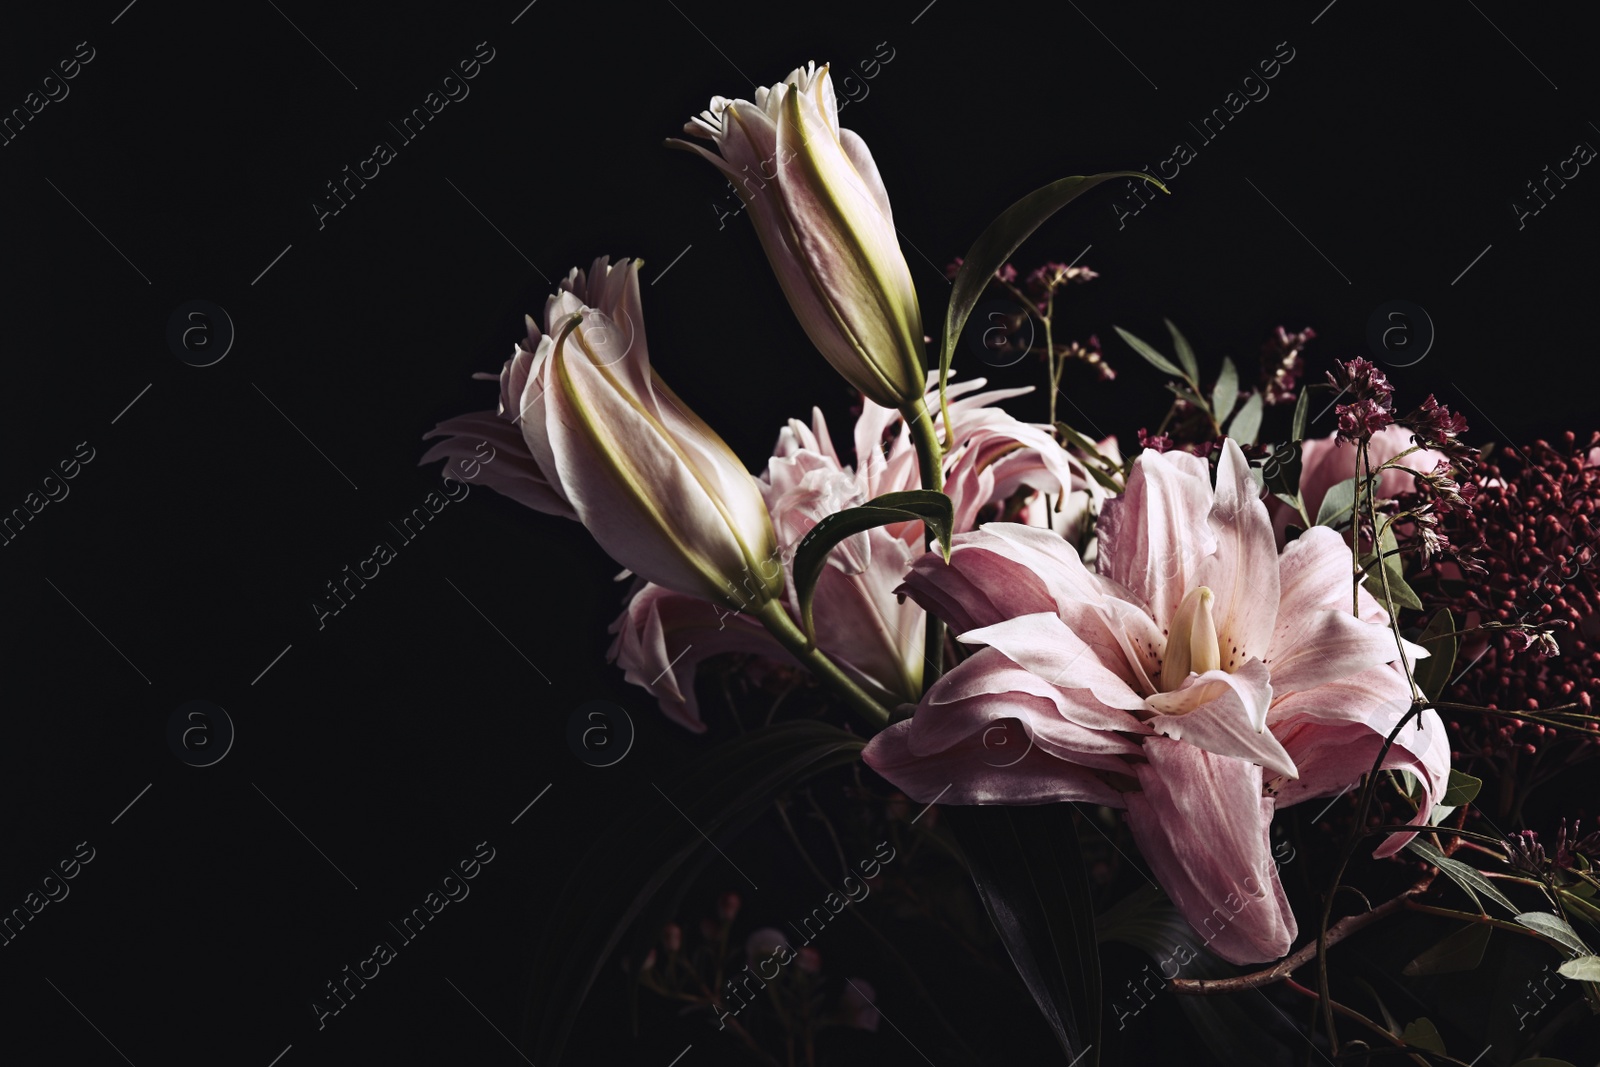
<point x="1461" y="951"/>
<point x="1579" y="906"/>
<point x="1030" y="874"/>
<point x="1399" y="594"/>
<point x="1421" y="1033"/>
<point x="1091" y="449"/>
<point x="1337" y="502"/>
<point x="1282" y="472"/>
<point x="1191" y="368"/>
<point x="1467" y="877"/>
<point x="1246" y="425"/>
<point x="1555" y="928"/>
<point x="718" y="794"/>
<point x="998" y="241"/>
<point x="1433" y="673"/>
<point x="1583" y="969"/>
<point x="1302" y="409"/>
<point x="1151" y="356"/>
<point x="1225" y="394"/>
<point x="1461" y="790"/>
<point x="933" y="508"/>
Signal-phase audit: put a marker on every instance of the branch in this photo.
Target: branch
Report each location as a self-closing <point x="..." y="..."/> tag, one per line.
<point x="1289" y="964"/>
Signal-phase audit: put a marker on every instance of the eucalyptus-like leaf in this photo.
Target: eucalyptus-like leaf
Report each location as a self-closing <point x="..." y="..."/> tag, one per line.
<point x="1246" y="425"/>
<point x="1462" y="789"/>
<point x="1461" y="951"/>
<point x="1185" y="352"/>
<point x="1582" y="969"/>
<point x="1433" y="674"/>
<point x="1555" y="928"/>
<point x="1465" y="876"/>
<point x="1151" y="356"/>
<point x="931" y="507"/>
<point x="1225" y="394"/>
<point x="1302" y="412"/>
<point x="1337" y="503"/>
<point x="996" y="244"/>
<point x="1421" y="1033"/>
<point x="1399" y="592"/>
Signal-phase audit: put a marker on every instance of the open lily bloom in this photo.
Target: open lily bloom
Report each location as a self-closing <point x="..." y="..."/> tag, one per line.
<point x="1200" y="680"/>
<point x="875" y="635"/>
<point x="606" y="442"/>
<point x="823" y="217"/>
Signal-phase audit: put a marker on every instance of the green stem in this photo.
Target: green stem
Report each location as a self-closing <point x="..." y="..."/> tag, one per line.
<point x="930" y="458"/>
<point x="777" y="621"/>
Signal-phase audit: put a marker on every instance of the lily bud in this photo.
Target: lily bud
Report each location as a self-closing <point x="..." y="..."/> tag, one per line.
<point x="660" y="491"/>
<point x="823" y="217"/>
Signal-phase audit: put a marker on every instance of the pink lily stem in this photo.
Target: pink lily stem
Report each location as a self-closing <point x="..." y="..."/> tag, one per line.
<point x="778" y="623"/>
<point x="930" y="458"/>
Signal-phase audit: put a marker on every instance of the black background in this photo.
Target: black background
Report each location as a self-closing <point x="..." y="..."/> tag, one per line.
<point x="423" y="718"/>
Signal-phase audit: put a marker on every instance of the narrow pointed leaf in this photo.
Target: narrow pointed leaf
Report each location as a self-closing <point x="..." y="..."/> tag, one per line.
<point x="1185" y="354"/>
<point x="932" y="508"/>
<point x="1246" y="425"/>
<point x="1092" y="450"/>
<point x="1151" y="356"/>
<point x="1555" y="928"/>
<point x="1468" y="878"/>
<point x="1030" y="874"/>
<point x="1433" y="673"/>
<point x="998" y="241"/>
<point x="1225" y="394"/>
<point x="1302" y="414"/>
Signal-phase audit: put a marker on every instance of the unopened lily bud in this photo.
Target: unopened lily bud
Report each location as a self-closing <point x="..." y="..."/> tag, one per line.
<point x="823" y="217"/>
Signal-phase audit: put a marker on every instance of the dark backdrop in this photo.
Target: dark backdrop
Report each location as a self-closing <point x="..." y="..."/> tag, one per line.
<point x="183" y="163"/>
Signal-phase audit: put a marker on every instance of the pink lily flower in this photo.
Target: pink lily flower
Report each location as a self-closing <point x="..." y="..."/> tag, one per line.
<point x="1200" y="680"/>
<point x="872" y="633"/>
<point x="606" y="442"/>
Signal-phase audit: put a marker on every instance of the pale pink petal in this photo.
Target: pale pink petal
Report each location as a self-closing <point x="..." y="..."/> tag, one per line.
<point x="974" y="773"/>
<point x="1224" y="713"/>
<point x="1337" y="756"/>
<point x="511" y="470"/>
<point x="1325" y="646"/>
<point x="976" y="588"/>
<point x="662" y="638"/>
<point x="1202" y="824"/>
<point x="1155" y="535"/>
<point x="1244" y="571"/>
<point x="989" y="685"/>
<point x="1044" y="645"/>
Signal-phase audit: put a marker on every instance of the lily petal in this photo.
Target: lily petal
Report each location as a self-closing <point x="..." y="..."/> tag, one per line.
<point x="1202" y="824"/>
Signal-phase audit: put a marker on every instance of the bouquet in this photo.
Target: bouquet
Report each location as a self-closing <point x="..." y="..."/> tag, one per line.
<point x="1011" y="651"/>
